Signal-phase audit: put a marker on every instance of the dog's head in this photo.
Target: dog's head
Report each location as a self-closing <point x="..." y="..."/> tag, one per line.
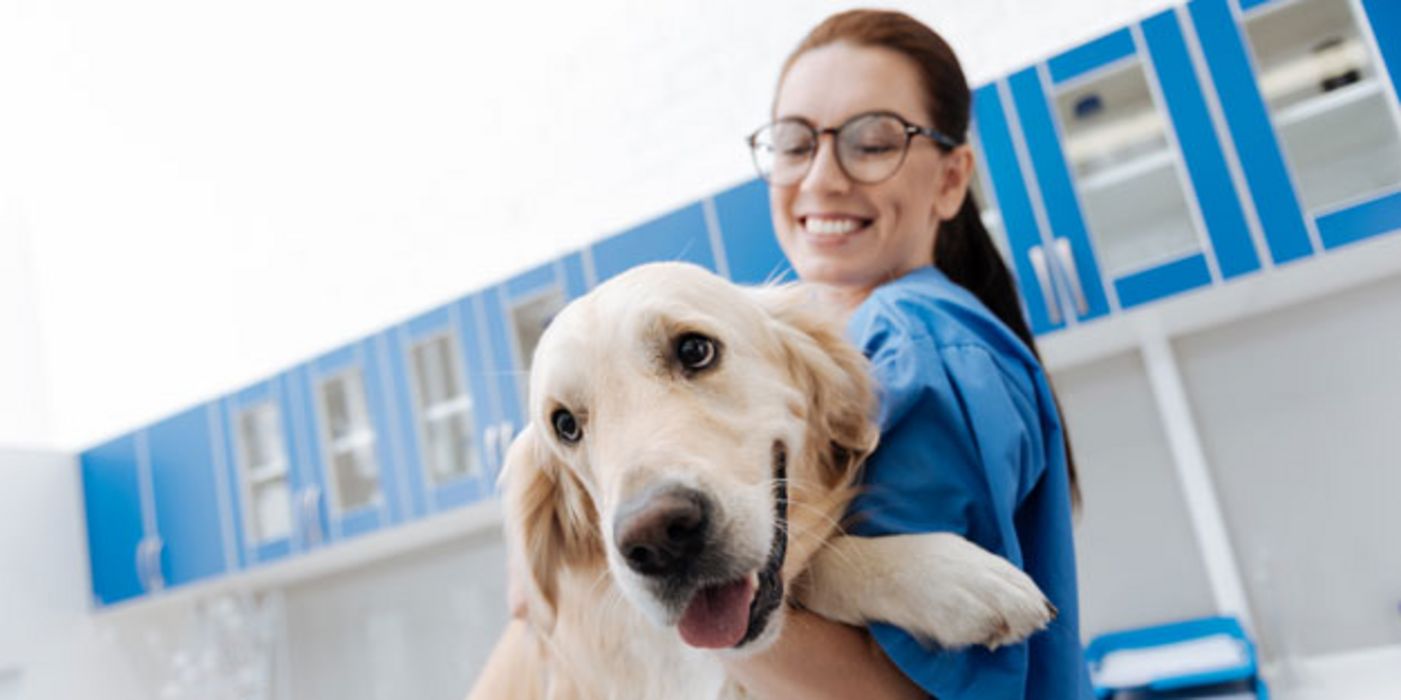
<point x="696" y="438"/>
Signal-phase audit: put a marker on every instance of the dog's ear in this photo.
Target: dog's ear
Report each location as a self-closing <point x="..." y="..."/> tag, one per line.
<point x="832" y="372"/>
<point x="551" y="522"/>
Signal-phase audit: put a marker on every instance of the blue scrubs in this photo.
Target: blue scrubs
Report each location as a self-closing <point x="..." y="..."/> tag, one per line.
<point x="970" y="443"/>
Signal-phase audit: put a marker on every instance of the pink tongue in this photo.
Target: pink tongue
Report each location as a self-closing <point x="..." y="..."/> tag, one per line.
<point x="718" y="616"/>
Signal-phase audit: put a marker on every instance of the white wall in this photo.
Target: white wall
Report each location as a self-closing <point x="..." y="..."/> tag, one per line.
<point x="214" y="191"/>
<point x="50" y="647"/>
<point x="23" y="389"/>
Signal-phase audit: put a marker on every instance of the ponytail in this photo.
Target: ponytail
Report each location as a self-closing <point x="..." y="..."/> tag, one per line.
<point x="965" y="253"/>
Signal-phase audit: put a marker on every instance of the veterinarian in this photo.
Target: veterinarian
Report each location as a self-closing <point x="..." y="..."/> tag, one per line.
<point x="868" y="169"/>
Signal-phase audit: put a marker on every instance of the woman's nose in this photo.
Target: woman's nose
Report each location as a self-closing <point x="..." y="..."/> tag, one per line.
<point x="826" y="174"/>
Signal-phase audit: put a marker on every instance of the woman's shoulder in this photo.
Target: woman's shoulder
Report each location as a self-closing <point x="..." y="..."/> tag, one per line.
<point x="925" y="310"/>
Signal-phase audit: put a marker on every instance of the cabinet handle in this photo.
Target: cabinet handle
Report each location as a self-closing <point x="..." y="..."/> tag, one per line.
<point x="1067" y="261"/>
<point x="311" y="522"/>
<point x="1043" y="280"/>
<point x="153" y="554"/>
<point x="143" y="574"/>
<point x="148" y="571"/>
<point x="508" y="431"/>
<point x="490" y="439"/>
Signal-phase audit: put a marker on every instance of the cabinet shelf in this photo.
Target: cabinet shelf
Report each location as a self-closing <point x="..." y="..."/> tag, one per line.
<point x="1345" y="98"/>
<point x="1127" y="171"/>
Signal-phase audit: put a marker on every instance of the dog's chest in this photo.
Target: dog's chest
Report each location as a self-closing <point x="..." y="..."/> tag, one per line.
<point x="606" y="649"/>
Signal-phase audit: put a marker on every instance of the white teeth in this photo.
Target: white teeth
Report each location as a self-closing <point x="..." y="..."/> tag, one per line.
<point x="831" y="227"/>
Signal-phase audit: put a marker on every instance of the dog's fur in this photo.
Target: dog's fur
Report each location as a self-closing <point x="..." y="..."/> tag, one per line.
<point x="785" y="390"/>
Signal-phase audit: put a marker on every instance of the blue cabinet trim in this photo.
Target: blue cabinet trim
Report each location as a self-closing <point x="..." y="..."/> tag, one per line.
<point x="1164" y="280"/>
<point x="1249" y="123"/>
<point x="531" y="281"/>
<point x="1375" y="217"/>
<point x="575" y="281"/>
<point x="746" y="230"/>
<point x="1053" y="175"/>
<point x="1201" y="150"/>
<point x="187" y="497"/>
<point x="1252" y="4"/>
<point x="1385" y="18"/>
<point x="1019" y="220"/>
<point x="112" y="503"/>
<point x="1099" y="52"/>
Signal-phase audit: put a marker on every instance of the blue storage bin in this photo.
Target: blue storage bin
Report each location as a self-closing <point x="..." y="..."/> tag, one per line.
<point x="1237" y="675"/>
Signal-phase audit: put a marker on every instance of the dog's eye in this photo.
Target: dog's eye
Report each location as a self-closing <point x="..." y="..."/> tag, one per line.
<point x="695" y="351"/>
<point x="566" y="427"/>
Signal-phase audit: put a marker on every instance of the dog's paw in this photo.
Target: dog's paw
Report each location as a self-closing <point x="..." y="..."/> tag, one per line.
<point x="985" y="601"/>
<point x="937" y="586"/>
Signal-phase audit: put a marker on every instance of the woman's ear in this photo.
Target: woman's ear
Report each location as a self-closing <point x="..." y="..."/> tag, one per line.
<point x="550" y="521"/>
<point x="831" y="372"/>
<point x="956" y="177"/>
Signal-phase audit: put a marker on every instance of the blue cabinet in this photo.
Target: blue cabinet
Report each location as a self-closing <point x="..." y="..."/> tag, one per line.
<point x="447" y="418"/>
<point x="156" y="507"/>
<point x="515" y="314"/>
<point x="341" y="405"/>
<point x="1308" y="88"/>
<point x="272" y="498"/>
<point x="1008" y="195"/>
<point x="113" y="497"/>
<point x="1139" y="198"/>
<point x="749" y="247"/>
<point x="189" y="495"/>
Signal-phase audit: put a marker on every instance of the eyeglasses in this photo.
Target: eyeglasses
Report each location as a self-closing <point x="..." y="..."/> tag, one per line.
<point x="871" y="147"/>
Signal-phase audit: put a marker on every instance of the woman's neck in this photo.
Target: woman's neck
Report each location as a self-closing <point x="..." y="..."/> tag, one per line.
<point x="842" y="300"/>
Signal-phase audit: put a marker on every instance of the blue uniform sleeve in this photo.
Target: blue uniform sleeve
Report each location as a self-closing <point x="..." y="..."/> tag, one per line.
<point x="960" y="450"/>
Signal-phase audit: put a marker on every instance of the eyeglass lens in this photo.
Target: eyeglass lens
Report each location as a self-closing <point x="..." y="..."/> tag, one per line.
<point x="869" y="149"/>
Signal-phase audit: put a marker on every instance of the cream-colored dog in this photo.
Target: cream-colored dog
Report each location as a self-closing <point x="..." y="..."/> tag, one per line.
<point x="692" y="446"/>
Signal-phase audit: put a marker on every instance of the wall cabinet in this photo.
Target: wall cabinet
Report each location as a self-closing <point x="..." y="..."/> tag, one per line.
<point x="157" y="507"/>
<point x="1206" y="143"/>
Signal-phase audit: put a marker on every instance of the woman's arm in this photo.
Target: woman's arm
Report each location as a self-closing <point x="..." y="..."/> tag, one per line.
<point x="818" y="659"/>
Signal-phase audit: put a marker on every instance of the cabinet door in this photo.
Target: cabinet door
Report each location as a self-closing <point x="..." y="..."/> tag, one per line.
<point x="260" y="460"/>
<point x="112" y="497"/>
<point x="1329" y="91"/>
<point x="1007" y="209"/>
<point x="346" y="403"/>
<point x="190" y="496"/>
<point x="751" y="251"/>
<point x="441" y="420"/>
<point x="683" y="236"/>
<point x="515" y="314"/>
<point x="1132" y="167"/>
<point x="1068" y="240"/>
<point x="1261" y="160"/>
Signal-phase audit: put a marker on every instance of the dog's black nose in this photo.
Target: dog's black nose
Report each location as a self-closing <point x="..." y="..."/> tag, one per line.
<point x="662" y="532"/>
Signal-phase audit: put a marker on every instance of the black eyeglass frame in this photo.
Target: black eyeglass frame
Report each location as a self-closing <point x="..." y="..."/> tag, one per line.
<point x="944" y="142"/>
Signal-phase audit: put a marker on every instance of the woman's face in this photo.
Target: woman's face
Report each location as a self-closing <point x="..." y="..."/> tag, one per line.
<point x="842" y="233"/>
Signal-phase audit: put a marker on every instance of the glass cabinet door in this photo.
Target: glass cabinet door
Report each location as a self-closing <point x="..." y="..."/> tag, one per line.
<point x="444" y="408"/>
<point x="261" y="454"/>
<point x="529" y="317"/>
<point x="1326" y="93"/>
<point x="1126" y="169"/>
<point x="348" y="438"/>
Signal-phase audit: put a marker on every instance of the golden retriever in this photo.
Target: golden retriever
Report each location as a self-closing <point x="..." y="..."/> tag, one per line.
<point x="692" y="447"/>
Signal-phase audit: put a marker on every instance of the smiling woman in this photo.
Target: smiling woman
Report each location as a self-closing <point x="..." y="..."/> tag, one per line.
<point x="879" y="219"/>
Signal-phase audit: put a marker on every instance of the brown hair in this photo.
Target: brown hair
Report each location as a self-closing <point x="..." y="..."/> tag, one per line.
<point x="963" y="250"/>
